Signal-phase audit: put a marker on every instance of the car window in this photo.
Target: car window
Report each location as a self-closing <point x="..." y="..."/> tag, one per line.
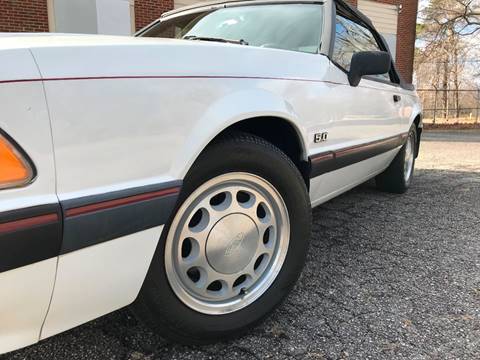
<point x="295" y="27"/>
<point x="351" y="37"/>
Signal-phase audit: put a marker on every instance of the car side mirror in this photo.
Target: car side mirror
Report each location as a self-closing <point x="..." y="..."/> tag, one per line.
<point x="368" y="63"/>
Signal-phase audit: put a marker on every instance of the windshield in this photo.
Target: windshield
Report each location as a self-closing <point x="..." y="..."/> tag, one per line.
<point x="295" y="27"/>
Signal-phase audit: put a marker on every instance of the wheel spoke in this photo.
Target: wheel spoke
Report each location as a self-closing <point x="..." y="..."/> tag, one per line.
<point x="230" y="280"/>
<point x="226" y="291"/>
<point x="225" y="236"/>
<point x="263" y="226"/>
<point x="254" y="270"/>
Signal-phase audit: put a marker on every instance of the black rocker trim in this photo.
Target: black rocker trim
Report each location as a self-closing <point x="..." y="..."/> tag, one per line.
<point x="29" y="235"/>
<point x="333" y="160"/>
<point x="96" y="219"/>
<point x="37" y="233"/>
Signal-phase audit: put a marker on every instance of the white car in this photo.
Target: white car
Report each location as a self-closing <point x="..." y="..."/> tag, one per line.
<point x="179" y="174"/>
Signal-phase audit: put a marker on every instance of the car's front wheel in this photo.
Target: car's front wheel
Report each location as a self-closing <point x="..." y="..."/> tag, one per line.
<point x="235" y="246"/>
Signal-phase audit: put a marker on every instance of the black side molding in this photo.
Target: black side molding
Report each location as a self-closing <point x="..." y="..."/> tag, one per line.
<point x="96" y="219"/>
<point x="33" y="234"/>
<point x="29" y="235"/>
<point x="333" y="160"/>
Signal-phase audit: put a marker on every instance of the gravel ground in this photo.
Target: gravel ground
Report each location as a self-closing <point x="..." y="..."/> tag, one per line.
<point x="388" y="276"/>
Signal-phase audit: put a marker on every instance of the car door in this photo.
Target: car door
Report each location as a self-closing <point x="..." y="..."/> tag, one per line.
<point x="363" y="116"/>
<point x="371" y="112"/>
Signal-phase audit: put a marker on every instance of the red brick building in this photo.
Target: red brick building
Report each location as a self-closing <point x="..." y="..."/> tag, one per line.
<point x="148" y="10"/>
<point x="395" y="19"/>
<point x="25" y="15"/>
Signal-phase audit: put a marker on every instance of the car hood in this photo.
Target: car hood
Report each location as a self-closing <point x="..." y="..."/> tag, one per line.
<point x="64" y="56"/>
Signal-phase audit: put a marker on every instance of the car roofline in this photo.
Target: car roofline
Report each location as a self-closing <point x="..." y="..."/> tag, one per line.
<point x="216" y="4"/>
<point x="207" y="5"/>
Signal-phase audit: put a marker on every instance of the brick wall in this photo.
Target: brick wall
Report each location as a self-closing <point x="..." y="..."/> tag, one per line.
<point x="406" y="33"/>
<point x="147" y="11"/>
<point x="23" y="16"/>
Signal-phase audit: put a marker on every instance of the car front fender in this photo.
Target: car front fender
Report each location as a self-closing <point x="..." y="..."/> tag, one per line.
<point x="229" y="110"/>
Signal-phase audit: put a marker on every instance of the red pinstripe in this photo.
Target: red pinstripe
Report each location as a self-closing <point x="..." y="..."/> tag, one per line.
<point x="169" y="77"/>
<point x="119" y="202"/>
<point x="27" y="223"/>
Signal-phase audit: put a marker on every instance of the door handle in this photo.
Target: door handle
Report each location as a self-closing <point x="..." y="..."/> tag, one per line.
<point x="397" y="98"/>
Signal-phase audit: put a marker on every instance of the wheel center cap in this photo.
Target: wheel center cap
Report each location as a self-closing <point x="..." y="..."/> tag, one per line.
<point x="232" y="243"/>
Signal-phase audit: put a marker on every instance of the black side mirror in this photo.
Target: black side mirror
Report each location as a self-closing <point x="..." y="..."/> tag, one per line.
<point x="368" y="63"/>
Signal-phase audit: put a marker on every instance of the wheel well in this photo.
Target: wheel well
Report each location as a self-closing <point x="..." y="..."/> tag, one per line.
<point x="417" y="122"/>
<point x="280" y="133"/>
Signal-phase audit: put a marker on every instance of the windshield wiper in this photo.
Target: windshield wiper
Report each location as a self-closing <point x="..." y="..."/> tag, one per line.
<point x="205" y="38"/>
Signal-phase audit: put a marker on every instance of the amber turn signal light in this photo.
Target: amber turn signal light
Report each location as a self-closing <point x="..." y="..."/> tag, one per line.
<point x="15" y="169"/>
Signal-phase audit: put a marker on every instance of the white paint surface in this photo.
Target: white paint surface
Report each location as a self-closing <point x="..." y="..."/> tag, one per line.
<point x="24" y="297"/>
<point x="94" y="281"/>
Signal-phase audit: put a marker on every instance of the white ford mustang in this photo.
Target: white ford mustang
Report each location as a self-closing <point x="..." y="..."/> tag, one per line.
<point x="179" y="174"/>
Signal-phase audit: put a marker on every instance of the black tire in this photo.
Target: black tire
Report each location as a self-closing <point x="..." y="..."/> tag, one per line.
<point x="157" y="304"/>
<point x="393" y="179"/>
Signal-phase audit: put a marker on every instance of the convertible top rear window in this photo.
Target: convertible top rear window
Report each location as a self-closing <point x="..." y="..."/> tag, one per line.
<point x="295" y="27"/>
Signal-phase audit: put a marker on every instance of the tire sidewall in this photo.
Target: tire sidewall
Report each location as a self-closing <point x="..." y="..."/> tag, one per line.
<point x="253" y="157"/>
